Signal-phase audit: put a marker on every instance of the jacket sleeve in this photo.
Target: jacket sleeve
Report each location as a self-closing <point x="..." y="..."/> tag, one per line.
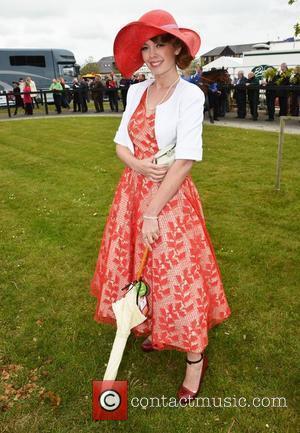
<point x="189" y="126"/>
<point x="122" y="136"/>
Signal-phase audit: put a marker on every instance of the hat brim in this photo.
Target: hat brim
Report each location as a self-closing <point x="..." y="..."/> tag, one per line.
<point x="129" y="40"/>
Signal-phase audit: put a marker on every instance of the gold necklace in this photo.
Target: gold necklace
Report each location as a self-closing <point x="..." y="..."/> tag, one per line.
<point x="164" y="97"/>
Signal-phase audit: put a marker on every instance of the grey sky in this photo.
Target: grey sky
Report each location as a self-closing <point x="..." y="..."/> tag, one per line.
<point x="88" y="28"/>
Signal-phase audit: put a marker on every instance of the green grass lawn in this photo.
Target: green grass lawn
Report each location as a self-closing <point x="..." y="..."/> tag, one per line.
<point x="58" y="178"/>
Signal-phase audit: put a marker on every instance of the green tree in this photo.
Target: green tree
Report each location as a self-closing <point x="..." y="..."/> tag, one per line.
<point x="89" y="67"/>
<point x="297" y="25"/>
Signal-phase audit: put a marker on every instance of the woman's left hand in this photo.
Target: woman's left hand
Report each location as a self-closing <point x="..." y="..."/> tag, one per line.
<point x="150" y="232"/>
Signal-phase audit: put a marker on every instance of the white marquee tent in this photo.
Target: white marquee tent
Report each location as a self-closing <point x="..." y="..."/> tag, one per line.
<point x="232" y="64"/>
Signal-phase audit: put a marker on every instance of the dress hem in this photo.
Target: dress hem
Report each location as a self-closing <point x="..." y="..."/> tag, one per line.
<point x="109" y="320"/>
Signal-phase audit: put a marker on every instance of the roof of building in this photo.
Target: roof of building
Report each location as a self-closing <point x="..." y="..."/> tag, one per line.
<point x="240" y="48"/>
<point x="107" y="59"/>
<point x="237" y="49"/>
<point x="106" y="64"/>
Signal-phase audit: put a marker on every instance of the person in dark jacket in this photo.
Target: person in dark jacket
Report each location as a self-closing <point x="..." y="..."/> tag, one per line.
<point x="213" y="98"/>
<point x="56" y="88"/>
<point x="270" y="85"/>
<point x="283" y="80"/>
<point x="97" y="90"/>
<point x="76" y="98"/>
<point x="295" y="98"/>
<point x="18" y="98"/>
<point x="252" y="84"/>
<point x="124" y="86"/>
<point x="223" y="101"/>
<point x="83" y="95"/>
<point x="240" y="95"/>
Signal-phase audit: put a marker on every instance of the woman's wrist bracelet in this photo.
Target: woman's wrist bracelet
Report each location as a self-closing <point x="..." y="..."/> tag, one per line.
<point x="148" y="217"/>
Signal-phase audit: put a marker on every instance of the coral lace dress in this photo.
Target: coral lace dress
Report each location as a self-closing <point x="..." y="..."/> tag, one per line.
<point x="186" y="297"/>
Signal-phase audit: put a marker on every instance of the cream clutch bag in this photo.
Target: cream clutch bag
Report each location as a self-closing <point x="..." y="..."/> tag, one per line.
<point x="165" y="155"/>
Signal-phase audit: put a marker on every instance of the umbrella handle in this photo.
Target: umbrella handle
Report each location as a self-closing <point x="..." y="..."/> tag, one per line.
<point x="143" y="262"/>
<point x="140" y="270"/>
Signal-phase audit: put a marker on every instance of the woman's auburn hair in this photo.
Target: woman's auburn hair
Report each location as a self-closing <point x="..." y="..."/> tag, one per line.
<point x="184" y="58"/>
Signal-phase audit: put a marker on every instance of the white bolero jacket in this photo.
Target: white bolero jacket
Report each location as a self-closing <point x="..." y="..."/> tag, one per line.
<point x="178" y="119"/>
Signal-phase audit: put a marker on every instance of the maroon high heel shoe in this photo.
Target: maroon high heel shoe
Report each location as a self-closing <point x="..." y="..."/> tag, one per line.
<point x="184" y="394"/>
<point x="147" y="345"/>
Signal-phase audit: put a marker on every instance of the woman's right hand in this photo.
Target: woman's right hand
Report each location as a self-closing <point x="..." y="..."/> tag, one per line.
<point x="151" y="170"/>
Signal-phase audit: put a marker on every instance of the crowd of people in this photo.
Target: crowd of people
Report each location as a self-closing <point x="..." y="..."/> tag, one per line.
<point x="97" y="89"/>
<point x="219" y="97"/>
<point x="81" y="92"/>
<point x="246" y="91"/>
<point x="84" y="90"/>
<point x="25" y="93"/>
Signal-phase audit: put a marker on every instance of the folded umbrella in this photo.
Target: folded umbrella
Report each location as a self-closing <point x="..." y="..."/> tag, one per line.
<point x="130" y="311"/>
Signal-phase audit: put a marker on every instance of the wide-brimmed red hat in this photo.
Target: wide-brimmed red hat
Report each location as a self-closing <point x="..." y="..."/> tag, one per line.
<point x="129" y="40"/>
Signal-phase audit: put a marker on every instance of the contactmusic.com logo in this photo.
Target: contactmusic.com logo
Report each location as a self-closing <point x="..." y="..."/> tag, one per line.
<point x="110" y="400"/>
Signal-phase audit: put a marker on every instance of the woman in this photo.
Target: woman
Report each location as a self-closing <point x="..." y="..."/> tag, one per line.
<point x="34" y="92"/>
<point x="112" y="92"/>
<point x="27" y="98"/>
<point x="159" y="206"/>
